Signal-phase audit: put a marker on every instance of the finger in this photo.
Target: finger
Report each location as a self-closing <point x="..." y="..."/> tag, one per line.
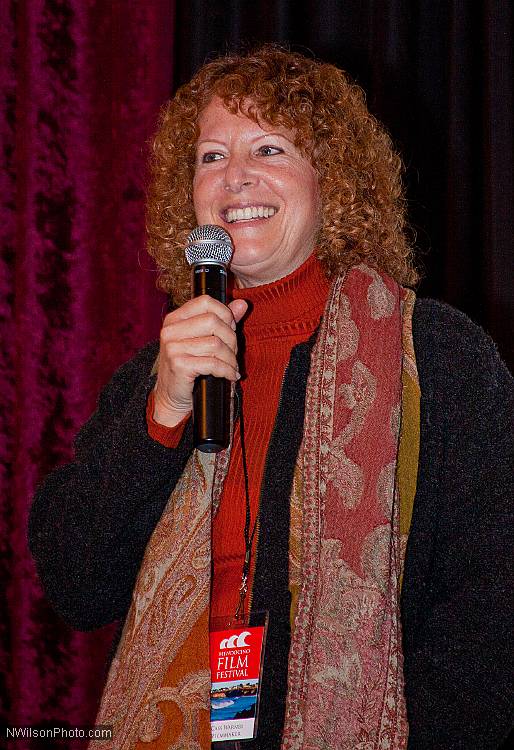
<point x="238" y="307"/>
<point x="198" y="306"/>
<point x="192" y="366"/>
<point x="207" y="324"/>
<point x="200" y="347"/>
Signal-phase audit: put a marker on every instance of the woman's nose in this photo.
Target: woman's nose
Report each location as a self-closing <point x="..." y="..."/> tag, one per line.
<point x="238" y="174"/>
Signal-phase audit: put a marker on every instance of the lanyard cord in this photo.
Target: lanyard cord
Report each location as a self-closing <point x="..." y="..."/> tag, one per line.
<point x="248" y="536"/>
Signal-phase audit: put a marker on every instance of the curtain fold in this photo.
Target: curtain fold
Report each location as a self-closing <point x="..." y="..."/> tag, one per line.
<point x="82" y="83"/>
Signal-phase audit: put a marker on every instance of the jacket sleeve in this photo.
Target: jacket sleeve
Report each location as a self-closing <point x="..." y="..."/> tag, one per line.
<point x="91" y="519"/>
<point x="458" y="602"/>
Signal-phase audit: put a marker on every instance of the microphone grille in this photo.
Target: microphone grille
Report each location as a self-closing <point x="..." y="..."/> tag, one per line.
<point x="208" y="242"/>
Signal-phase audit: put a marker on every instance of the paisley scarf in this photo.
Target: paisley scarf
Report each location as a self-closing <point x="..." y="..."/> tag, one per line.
<point x="351" y="505"/>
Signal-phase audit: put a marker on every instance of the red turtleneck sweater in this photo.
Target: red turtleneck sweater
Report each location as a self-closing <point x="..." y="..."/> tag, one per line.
<point x="282" y="314"/>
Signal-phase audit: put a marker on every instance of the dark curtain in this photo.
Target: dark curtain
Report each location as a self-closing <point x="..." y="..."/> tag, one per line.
<point x="81" y="85"/>
<point x="439" y="75"/>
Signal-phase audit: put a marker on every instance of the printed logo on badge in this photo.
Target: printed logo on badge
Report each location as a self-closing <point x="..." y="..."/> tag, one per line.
<point x="236" y="663"/>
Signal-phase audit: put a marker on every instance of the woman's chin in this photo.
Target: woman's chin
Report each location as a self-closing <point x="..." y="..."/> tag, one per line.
<point x="246" y="277"/>
<point x="247" y="260"/>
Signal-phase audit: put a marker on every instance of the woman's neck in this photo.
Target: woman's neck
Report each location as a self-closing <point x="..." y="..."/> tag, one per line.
<point x="298" y="299"/>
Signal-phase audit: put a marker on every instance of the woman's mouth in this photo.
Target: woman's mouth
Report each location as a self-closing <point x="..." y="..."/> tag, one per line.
<point x="231" y="215"/>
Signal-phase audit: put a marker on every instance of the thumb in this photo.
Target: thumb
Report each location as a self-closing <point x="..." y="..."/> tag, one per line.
<point x="238" y="308"/>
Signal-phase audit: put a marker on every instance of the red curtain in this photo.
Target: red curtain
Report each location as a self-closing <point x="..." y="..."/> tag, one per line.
<point x="82" y="83"/>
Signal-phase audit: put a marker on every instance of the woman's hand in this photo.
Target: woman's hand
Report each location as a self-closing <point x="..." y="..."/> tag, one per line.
<point x="198" y="338"/>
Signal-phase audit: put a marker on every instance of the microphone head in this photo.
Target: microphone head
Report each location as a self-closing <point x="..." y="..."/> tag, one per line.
<point x="209" y="243"/>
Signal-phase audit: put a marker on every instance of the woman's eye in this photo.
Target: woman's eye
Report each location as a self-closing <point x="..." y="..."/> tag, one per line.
<point x="270" y="150"/>
<point x="211" y="156"/>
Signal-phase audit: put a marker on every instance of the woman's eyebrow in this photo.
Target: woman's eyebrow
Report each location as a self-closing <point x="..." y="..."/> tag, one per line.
<point x="273" y="133"/>
<point x="209" y="140"/>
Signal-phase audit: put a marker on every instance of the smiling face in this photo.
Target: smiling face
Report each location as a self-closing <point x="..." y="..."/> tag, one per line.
<point x="256" y="184"/>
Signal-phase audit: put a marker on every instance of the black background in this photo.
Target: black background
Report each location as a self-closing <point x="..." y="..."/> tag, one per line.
<point x="439" y="76"/>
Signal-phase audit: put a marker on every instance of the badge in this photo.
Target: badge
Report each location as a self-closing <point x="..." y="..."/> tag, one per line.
<point x="236" y="660"/>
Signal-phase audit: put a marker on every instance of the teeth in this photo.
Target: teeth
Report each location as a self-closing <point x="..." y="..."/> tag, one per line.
<point x="250" y="212"/>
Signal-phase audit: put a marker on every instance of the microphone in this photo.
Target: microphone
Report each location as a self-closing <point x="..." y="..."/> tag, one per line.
<point x="208" y="251"/>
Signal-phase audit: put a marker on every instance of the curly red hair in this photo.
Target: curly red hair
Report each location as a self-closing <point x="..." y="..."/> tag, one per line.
<point x="362" y="201"/>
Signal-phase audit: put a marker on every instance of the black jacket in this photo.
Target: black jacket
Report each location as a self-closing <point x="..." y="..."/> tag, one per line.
<point x="91" y="521"/>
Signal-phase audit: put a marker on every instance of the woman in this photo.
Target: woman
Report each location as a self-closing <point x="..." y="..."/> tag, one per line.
<point x="357" y="410"/>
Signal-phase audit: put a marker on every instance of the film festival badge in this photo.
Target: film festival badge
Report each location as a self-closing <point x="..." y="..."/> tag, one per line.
<point x="236" y="656"/>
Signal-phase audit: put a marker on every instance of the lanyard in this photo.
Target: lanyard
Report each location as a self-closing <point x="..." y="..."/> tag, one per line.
<point x="248" y="535"/>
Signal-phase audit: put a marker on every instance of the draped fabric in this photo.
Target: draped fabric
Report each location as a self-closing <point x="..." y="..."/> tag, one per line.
<point x="82" y="83"/>
<point x="347" y="633"/>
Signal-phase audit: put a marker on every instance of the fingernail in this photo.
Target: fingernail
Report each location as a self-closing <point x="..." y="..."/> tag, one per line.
<point x="238" y="375"/>
<point x="233" y="324"/>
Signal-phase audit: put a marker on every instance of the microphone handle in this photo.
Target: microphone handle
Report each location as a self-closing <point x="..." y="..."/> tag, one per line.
<point x="211" y="396"/>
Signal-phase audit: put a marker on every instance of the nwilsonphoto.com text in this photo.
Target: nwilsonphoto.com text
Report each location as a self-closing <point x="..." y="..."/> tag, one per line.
<point x="56" y="732"/>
